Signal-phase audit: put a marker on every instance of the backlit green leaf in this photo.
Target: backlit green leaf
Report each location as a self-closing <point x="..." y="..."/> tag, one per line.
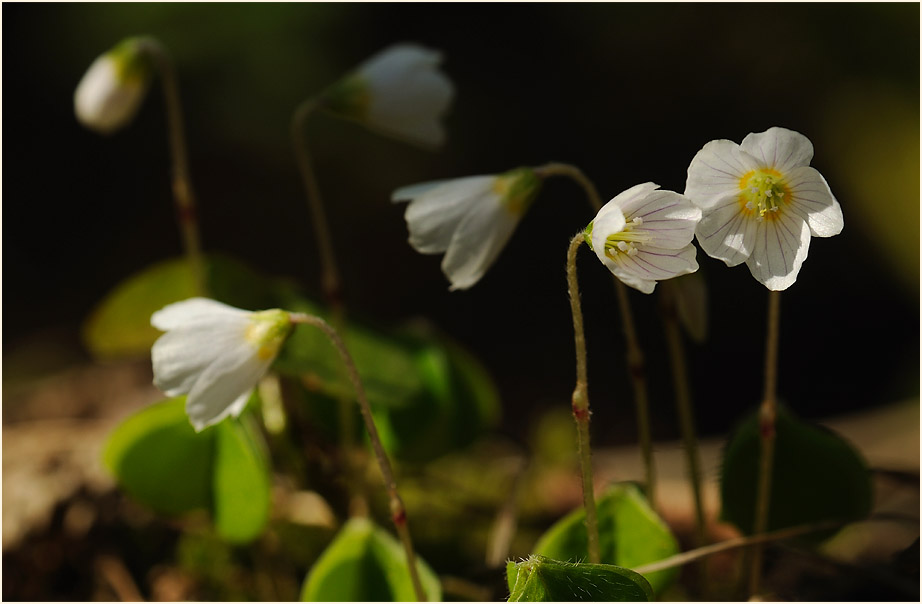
<point x="541" y="579"/>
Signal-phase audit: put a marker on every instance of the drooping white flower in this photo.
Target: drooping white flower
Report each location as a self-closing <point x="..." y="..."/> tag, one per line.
<point x="215" y="354"/>
<point x="761" y="203"/>
<point x="644" y="235"/>
<point x="399" y="91"/>
<point x="469" y="219"/>
<point x="111" y="91"/>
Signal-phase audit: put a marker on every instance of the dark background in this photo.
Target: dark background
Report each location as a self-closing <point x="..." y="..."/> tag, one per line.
<point x="627" y="92"/>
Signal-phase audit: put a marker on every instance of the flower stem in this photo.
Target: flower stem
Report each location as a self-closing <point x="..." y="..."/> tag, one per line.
<point x="329" y="276"/>
<point x="398" y="511"/>
<point x="635" y="355"/>
<point x="683" y="404"/>
<point x="183" y="196"/>
<point x="767" y="414"/>
<point x="580" y="403"/>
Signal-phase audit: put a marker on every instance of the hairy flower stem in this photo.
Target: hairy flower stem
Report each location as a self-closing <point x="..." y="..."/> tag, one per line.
<point x="636" y="367"/>
<point x="398" y="512"/>
<point x="684" y="405"/>
<point x="767" y="414"/>
<point x="183" y="196"/>
<point x="580" y="403"/>
<point x="329" y="280"/>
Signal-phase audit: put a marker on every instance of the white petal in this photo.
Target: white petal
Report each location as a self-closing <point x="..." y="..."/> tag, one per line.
<point x="103" y="100"/>
<point x="668" y="217"/>
<point x="477" y="242"/>
<point x="196" y="310"/>
<point x="223" y="388"/>
<point x="651" y="264"/>
<point x="181" y="355"/>
<point x="434" y="216"/>
<point x="725" y="232"/>
<point x="411" y="192"/>
<point x="813" y="201"/>
<point x="628" y="199"/>
<point x="779" y="148"/>
<point x="607" y="222"/>
<point x="715" y="171"/>
<point x="780" y="249"/>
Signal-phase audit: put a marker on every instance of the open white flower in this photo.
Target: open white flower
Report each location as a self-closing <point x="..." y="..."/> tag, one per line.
<point x="469" y="219"/>
<point x="215" y="354"/>
<point x="761" y="202"/>
<point x="111" y="91"/>
<point x="399" y="91"/>
<point x="644" y="235"/>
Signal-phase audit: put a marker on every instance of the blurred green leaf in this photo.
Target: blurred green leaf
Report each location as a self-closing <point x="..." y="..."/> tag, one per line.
<point x="630" y="534"/>
<point x="364" y="563"/>
<point x="540" y="579"/>
<point x="816" y="476"/>
<point x="120" y="326"/>
<point x="159" y="459"/>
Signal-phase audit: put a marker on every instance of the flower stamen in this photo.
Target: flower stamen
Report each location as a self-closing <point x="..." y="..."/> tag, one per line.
<point x="626" y="240"/>
<point x="763" y="190"/>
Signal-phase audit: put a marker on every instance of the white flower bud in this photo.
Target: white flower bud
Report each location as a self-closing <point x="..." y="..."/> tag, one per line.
<point x="111" y="91"/>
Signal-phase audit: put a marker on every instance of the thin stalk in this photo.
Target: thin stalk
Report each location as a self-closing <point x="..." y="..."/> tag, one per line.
<point x="398" y="511"/>
<point x="580" y="403"/>
<point x="183" y="195"/>
<point x="330" y="283"/>
<point x="637" y="370"/>
<point x="767" y="413"/>
<point x="684" y="406"/>
<point x="636" y="366"/>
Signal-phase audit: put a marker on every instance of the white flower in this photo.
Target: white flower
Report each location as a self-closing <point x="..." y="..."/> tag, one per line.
<point x="111" y="91"/>
<point x="761" y="203"/>
<point x="644" y="235"/>
<point x="215" y="354"/>
<point x="470" y="219"/>
<point x="399" y="91"/>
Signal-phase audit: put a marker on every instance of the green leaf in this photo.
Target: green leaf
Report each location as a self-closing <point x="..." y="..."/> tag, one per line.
<point x="364" y="563"/>
<point x="630" y="534"/>
<point x="157" y="458"/>
<point x="541" y="579"/>
<point x="816" y="476"/>
<point x="120" y="326"/>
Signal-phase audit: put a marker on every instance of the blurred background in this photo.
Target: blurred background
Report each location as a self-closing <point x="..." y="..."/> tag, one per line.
<point x="627" y="92"/>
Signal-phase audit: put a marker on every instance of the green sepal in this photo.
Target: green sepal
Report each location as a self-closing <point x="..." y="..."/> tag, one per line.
<point x="541" y="579"/>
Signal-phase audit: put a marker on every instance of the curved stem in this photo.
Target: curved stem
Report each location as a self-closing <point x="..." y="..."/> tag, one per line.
<point x="398" y="512"/>
<point x="767" y="413"/>
<point x="580" y="403"/>
<point x="329" y="278"/>
<point x="183" y="196"/>
<point x="636" y="366"/>
<point x="684" y="404"/>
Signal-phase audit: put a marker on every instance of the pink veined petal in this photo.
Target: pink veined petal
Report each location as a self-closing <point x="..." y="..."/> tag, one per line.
<point x="477" y="242"/>
<point x="812" y="200"/>
<point x="725" y="232"/>
<point x="780" y="250"/>
<point x="669" y="218"/>
<point x="629" y="199"/>
<point x="715" y="171"/>
<point x="779" y="148"/>
<point x="651" y="264"/>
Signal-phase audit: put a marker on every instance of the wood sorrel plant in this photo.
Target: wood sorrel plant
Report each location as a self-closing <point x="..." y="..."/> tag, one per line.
<point x="761" y="203"/>
<point x="215" y="354"/>
<point x="109" y="96"/>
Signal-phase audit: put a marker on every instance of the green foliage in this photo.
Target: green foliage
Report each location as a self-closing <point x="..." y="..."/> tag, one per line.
<point x="816" y="476"/>
<point x="120" y="326"/>
<point x="541" y="579"/>
<point x="158" y="459"/>
<point x="630" y="534"/>
<point x="364" y="563"/>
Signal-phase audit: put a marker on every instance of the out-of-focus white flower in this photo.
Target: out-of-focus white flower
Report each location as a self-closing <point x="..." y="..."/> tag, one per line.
<point x="761" y="202"/>
<point x="399" y="91"/>
<point x="469" y="219"/>
<point x="644" y="235"/>
<point x="111" y="91"/>
<point x="215" y="354"/>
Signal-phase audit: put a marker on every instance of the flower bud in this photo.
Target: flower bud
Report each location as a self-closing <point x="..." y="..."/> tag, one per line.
<point x="113" y="88"/>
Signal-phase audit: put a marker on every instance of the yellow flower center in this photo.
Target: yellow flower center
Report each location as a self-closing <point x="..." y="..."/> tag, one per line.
<point x="624" y="242"/>
<point x="267" y="331"/>
<point x="763" y="193"/>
